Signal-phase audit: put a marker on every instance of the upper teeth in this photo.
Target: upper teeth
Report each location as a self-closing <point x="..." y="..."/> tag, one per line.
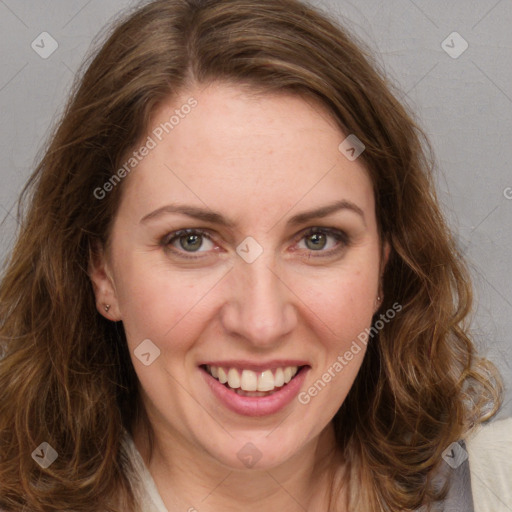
<point x="253" y="381"/>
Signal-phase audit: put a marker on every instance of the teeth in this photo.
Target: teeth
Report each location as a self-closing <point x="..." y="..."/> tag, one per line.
<point x="249" y="381"/>
<point x="223" y="378"/>
<point x="266" y="381"/>
<point x="256" y="382"/>
<point x="233" y="378"/>
<point x="279" y="378"/>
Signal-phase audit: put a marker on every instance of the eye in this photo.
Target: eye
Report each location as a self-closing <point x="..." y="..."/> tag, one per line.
<point x="189" y="240"/>
<point x="324" y="240"/>
<point x="186" y="242"/>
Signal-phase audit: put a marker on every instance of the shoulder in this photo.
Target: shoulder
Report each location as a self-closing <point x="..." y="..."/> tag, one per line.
<point x="489" y="449"/>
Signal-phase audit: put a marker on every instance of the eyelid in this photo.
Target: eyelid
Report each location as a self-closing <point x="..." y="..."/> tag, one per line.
<point x="185" y="231"/>
<point x="334" y="232"/>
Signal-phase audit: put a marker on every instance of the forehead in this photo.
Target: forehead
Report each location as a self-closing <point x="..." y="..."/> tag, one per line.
<point x="251" y="156"/>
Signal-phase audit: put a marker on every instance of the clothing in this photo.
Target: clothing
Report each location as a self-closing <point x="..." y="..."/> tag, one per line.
<point x="490" y="461"/>
<point x="482" y="483"/>
<point x="141" y="480"/>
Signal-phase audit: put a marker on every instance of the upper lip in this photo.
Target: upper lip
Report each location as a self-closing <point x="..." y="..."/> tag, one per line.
<point x="256" y="366"/>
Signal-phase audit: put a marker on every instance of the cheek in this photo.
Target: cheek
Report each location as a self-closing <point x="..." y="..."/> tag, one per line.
<point x="159" y="304"/>
<point x="341" y="305"/>
<point x="341" y="312"/>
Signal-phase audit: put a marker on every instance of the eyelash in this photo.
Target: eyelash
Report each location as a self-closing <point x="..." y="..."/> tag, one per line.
<point x="338" y="235"/>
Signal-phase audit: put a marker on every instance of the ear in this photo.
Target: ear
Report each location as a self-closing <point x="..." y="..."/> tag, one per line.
<point x="103" y="283"/>
<point x="385" y="252"/>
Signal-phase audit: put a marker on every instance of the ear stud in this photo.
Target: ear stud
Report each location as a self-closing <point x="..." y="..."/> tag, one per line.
<point x="107" y="307"/>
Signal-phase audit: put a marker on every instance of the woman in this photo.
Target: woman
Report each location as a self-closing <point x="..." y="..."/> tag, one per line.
<point x="233" y="287"/>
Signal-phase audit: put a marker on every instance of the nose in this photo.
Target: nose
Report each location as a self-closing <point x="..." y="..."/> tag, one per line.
<point x="260" y="305"/>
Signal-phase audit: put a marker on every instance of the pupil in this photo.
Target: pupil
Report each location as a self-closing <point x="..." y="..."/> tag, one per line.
<point x="191" y="242"/>
<point x="318" y="241"/>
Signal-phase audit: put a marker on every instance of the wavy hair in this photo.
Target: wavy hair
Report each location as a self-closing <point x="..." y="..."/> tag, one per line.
<point x="66" y="376"/>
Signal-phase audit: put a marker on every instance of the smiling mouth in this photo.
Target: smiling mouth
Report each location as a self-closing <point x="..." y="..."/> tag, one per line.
<point x="248" y="383"/>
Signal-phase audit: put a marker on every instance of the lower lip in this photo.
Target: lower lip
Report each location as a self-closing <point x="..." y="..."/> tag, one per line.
<point x="256" y="406"/>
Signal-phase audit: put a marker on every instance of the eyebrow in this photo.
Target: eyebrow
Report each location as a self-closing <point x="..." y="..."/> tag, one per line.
<point x="207" y="215"/>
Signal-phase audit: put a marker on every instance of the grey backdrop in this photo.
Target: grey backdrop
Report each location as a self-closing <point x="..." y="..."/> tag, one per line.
<point x="462" y="97"/>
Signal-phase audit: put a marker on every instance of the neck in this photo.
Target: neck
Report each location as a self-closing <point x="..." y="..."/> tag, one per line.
<point x="188" y="479"/>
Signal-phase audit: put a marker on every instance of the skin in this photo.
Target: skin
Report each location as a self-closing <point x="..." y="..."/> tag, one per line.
<point x="257" y="160"/>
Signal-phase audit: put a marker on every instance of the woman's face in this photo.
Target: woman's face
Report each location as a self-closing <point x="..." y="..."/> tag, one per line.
<point x="259" y="288"/>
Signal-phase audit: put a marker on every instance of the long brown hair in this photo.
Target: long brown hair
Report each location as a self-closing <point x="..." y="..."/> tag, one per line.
<point x="66" y="377"/>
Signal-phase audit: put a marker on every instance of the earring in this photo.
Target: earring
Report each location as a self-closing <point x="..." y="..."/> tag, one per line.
<point x="107" y="307"/>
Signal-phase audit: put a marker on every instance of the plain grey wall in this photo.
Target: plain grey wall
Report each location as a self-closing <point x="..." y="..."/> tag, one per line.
<point x="462" y="98"/>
